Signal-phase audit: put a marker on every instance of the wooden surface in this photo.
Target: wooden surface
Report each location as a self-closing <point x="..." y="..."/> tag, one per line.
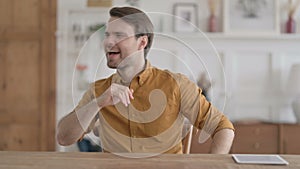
<point x="260" y="138"/>
<point x="78" y="160"/>
<point x="27" y="75"/>
<point x="290" y="139"/>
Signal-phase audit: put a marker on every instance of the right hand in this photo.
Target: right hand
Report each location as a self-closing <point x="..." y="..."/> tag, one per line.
<point x="114" y="94"/>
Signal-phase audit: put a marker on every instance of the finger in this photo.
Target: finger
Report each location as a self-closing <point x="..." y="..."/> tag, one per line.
<point x="131" y="94"/>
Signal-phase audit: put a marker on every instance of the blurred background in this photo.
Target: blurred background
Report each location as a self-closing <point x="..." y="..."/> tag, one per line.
<point x="244" y="53"/>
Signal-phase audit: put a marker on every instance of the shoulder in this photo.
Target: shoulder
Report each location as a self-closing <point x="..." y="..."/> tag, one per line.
<point x="102" y="82"/>
<point x="166" y="73"/>
<point x="179" y="77"/>
<point x="99" y="86"/>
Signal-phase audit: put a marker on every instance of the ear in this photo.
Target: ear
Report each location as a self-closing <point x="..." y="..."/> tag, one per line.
<point x="143" y="41"/>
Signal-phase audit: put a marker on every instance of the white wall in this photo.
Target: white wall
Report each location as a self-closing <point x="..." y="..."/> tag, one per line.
<point x="166" y="6"/>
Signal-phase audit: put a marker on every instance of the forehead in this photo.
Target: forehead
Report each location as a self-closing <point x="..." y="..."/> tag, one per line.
<point x="116" y="24"/>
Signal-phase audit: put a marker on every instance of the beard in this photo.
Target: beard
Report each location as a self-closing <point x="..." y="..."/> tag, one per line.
<point x="111" y="65"/>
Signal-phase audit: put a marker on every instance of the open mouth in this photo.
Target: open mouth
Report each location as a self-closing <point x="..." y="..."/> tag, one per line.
<point x="113" y="54"/>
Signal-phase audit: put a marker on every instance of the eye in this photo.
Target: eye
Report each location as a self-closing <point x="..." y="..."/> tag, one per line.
<point x="106" y="34"/>
<point x="120" y="35"/>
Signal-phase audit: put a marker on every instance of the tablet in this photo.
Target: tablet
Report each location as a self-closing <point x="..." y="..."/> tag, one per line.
<point x="259" y="159"/>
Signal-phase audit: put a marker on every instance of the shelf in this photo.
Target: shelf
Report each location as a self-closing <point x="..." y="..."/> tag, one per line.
<point x="224" y="36"/>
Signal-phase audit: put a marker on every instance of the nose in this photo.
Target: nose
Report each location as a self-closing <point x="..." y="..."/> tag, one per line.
<point x="109" y="42"/>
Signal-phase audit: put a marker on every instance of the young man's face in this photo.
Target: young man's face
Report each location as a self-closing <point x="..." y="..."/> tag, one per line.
<point x="120" y="41"/>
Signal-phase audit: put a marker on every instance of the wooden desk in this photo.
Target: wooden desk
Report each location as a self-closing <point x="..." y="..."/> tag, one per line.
<point x="76" y="160"/>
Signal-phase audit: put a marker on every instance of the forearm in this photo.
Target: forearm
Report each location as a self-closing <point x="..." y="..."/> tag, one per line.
<point x="222" y="141"/>
<point x="73" y="126"/>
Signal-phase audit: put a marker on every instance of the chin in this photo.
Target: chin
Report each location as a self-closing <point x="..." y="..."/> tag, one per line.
<point x="111" y="65"/>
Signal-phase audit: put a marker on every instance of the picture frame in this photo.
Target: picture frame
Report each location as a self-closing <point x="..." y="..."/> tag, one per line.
<point x="247" y="17"/>
<point x="185" y="17"/>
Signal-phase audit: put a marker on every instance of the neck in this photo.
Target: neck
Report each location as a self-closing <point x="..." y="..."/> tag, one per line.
<point x="130" y="67"/>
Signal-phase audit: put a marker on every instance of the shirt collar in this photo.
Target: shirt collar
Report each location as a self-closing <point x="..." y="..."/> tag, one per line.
<point x="142" y="77"/>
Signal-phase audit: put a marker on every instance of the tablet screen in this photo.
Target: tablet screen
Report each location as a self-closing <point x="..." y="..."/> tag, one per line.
<point x="259" y="159"/>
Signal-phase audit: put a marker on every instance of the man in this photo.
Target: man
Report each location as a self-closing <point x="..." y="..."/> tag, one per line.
<point x="140" y="108"/>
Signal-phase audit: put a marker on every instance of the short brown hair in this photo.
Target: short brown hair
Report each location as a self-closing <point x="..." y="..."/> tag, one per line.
<point x="139" y="20"/>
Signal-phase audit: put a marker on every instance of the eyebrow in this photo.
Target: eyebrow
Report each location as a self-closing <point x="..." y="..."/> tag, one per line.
<point x="115" y="33"/>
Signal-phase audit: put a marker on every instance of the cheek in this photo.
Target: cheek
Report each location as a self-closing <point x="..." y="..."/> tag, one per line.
<point x="104" y="43"/>
<point x="128" y="48"/>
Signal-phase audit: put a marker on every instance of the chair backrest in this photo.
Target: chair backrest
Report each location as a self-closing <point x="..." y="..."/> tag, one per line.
<point x="187" y="140"/>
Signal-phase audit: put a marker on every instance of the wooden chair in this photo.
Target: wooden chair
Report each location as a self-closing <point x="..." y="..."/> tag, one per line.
<point x="187" y="140"/>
